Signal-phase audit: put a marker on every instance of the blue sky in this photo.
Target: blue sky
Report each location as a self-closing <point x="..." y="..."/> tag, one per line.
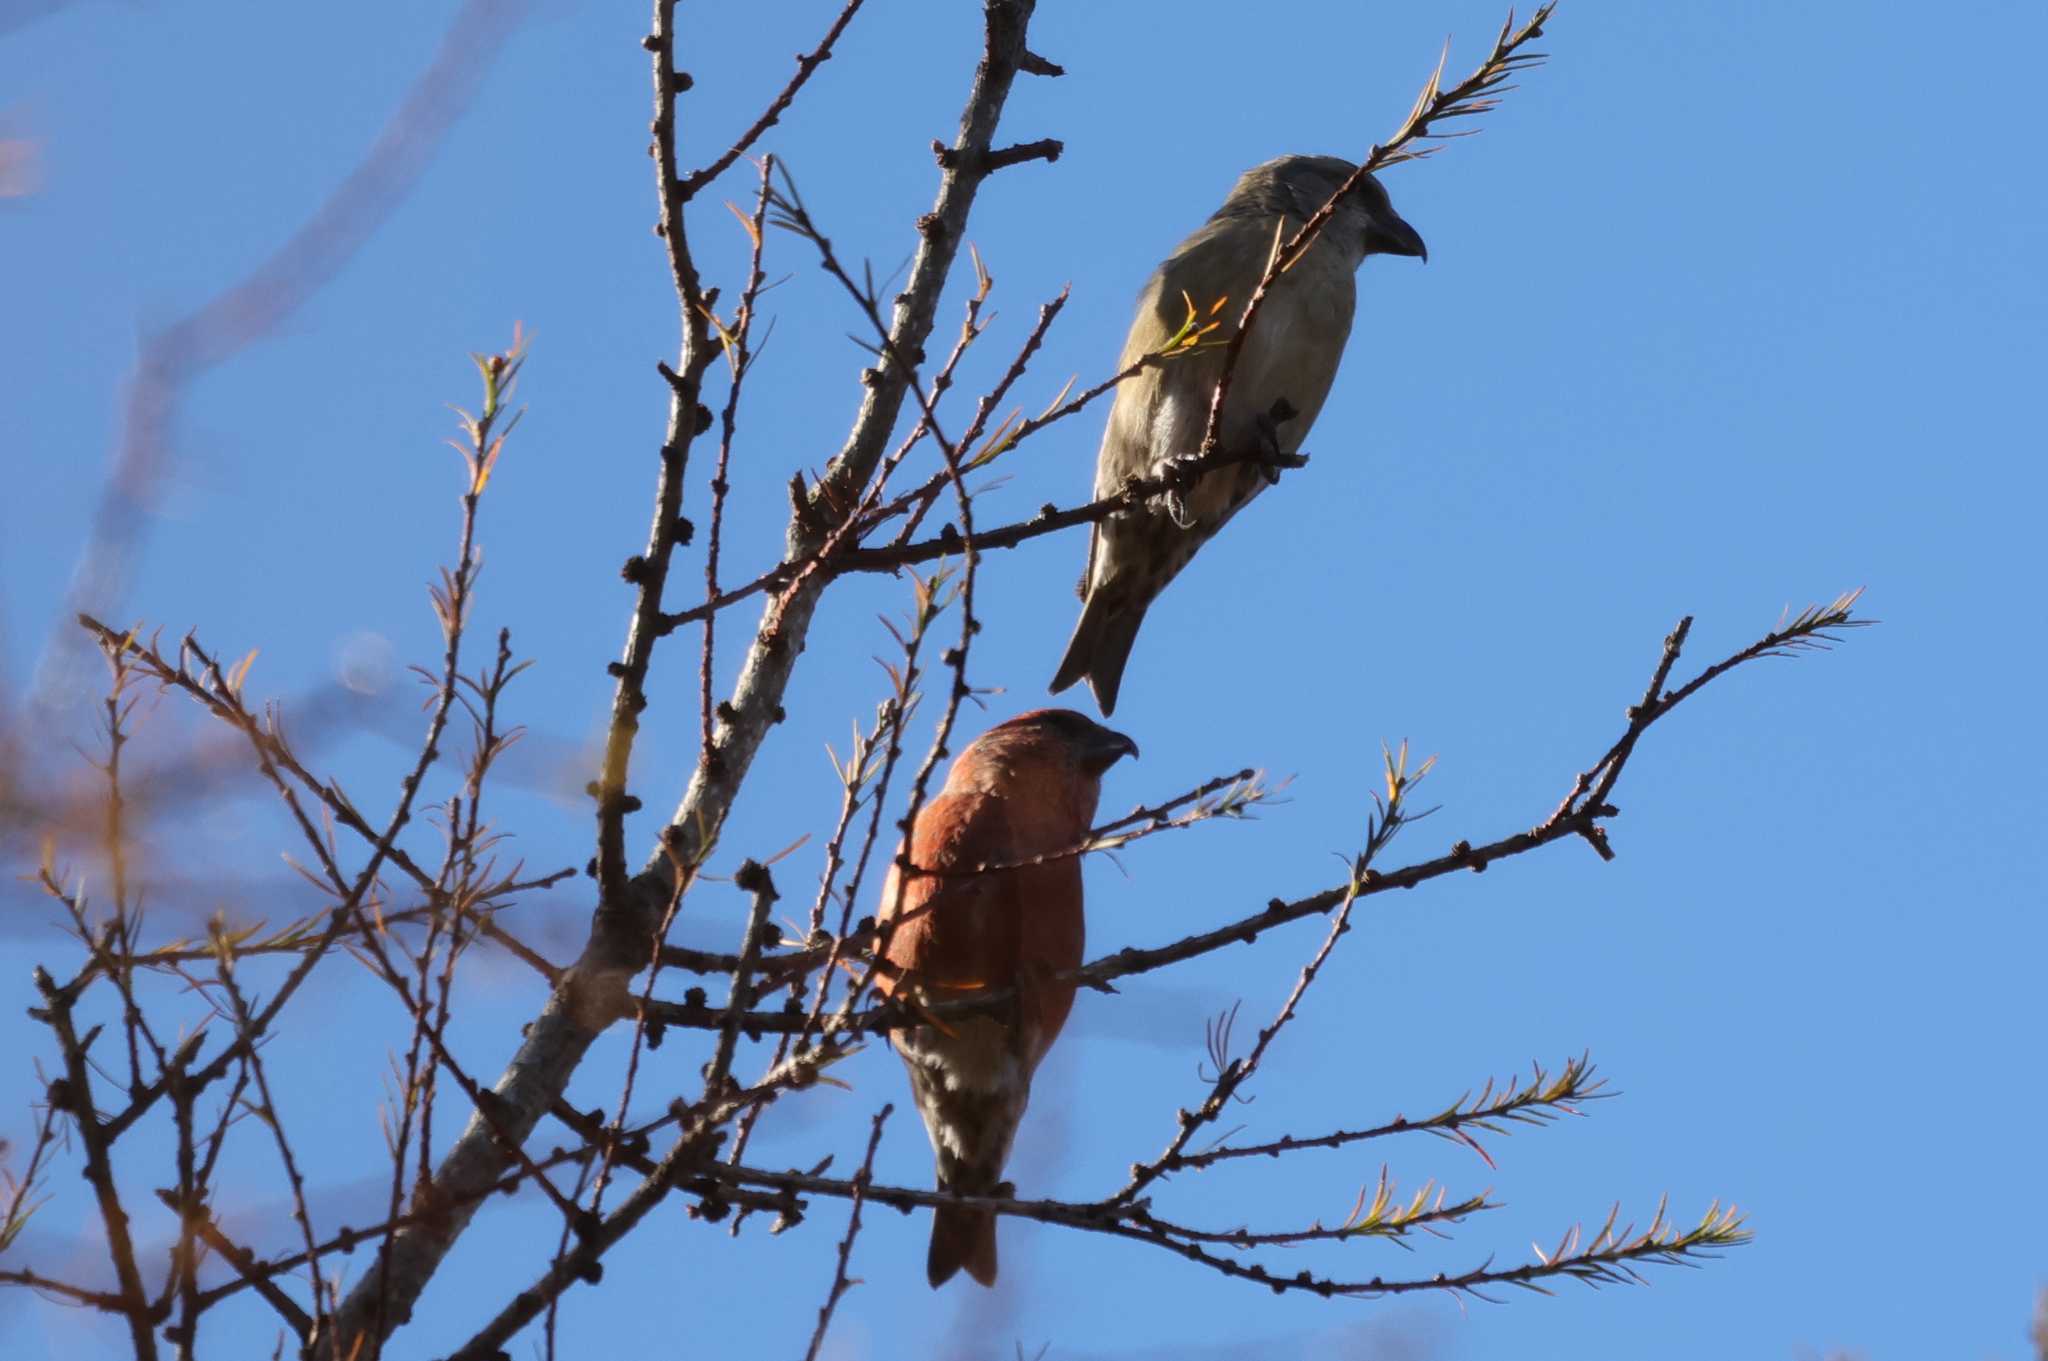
<point x="1730" y="308"/>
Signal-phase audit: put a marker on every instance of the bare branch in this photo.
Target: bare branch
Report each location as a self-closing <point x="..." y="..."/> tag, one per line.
<point x="1542" y="1100"/>
<point x="73" y="1095"/>
<point x="239" y="1258"/>
<point x="592" y="994"/>
<point x="841" y="1282"/>
<point x="1567" y="821"/>
<point x="1233" y="1074"/>
<point x="806" y="63"/>
<point x="1610" y="1257"/>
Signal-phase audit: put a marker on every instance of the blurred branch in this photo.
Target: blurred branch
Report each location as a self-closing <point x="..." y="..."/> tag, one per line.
<point x="25" y="1192"/>
<point x="253" y="308"/>
<point x="215" y="690"/>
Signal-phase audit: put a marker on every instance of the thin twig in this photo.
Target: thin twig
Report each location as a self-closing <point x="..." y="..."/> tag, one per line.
<point x="737" y="341"/>
<point x="841" y="1282"/>
<point x="806" y="63"/>
<point x="1608" y="1258"/>
<point x="1473" y="95"/>
<point x="1537" y="1103"/>
<point x="1808" y="630"/>
<point x="75" y="1099"/>
<point x="1234" y="1074"/>
<point x="242" y="1017"/>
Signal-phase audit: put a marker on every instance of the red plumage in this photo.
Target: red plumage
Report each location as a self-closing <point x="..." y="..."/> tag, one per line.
<point x="1026" y="787"/>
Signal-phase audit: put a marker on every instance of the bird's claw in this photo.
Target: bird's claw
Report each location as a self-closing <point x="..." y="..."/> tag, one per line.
<point x="1180" y="475"/>
<point x="1273" y="464"/>
<point x="1269" y="458"/>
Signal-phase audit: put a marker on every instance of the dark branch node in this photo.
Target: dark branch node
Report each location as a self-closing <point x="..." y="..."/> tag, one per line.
<point x="752" y="877"/>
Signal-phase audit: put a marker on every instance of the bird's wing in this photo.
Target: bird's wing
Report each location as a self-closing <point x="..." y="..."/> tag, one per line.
<point x="1293" y="348"/>
<point x="1020" y="927"/>
<point x="951" y="930"/>
<point x="1051" y="938"/>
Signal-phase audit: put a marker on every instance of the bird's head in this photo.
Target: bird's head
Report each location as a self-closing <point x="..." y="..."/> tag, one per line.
<point x="1049" y="759"/>
<point x="1366" y="216"/>
<point x="1062" y="735"/>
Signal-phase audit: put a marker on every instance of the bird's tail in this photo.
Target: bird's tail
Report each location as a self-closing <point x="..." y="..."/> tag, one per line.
<point x="1100" y="647"/>
<point x="962" y="1236"/>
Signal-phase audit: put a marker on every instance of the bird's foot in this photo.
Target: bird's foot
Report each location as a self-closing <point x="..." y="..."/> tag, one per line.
<point x="1180" y="475"/>
<point x="1268" y="456"/>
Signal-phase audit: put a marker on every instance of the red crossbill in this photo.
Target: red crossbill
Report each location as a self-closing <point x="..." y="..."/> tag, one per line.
<point x="1025" y="788"/>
